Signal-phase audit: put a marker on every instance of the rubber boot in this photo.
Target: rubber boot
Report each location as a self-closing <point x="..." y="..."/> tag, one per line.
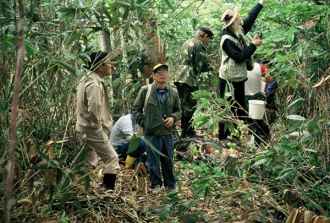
<point x="109" y="181"/>
<point x="129" y="162"/>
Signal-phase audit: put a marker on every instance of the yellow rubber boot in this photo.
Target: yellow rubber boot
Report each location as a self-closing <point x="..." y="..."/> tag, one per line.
<point x="129" y="162"/>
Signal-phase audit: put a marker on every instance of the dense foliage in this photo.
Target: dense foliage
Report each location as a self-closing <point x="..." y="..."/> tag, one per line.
<point x="60" y="34"/>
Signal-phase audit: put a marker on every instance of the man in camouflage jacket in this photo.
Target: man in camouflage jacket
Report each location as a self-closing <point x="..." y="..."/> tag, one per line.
<point x="194" y="62"/>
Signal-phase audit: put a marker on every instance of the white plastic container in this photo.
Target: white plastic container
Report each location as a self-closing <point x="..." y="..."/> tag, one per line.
<point x="257" y="109"/>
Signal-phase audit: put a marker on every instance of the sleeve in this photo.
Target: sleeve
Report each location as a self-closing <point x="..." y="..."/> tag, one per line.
<point x="137" y="110"/>
<point x="94" y="96"/>
<point x="250" y="20"/>
<point x="199" y="59"/>
<point x="177" y="107"/>
<point x="237" y="54"/>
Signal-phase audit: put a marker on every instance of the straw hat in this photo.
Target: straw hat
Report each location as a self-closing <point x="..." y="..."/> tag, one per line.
<point x="229" y="16"/>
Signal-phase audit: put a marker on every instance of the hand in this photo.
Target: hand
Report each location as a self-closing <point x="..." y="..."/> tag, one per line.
<point x="269" y="78"/>
<point x="261" y="2"/>
<point x="257" y="41"/>
<point x="168" y="122"/>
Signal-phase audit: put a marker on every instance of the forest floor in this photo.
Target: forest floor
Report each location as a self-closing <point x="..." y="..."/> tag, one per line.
<point x="206" y="191"/>
<point x="213" y="185"/>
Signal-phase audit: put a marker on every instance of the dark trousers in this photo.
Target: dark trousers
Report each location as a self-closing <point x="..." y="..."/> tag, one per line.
<point x="239" y="105"/>
<point x="260" y="130"/>
<point x="188" y="106"/>
<point x="160" y="160"/>
<point x="122" y="150"/>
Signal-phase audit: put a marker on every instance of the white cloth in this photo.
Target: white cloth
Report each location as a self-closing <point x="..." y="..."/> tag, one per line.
<point x="253" y="84"/>
<point x="122" y="130"/>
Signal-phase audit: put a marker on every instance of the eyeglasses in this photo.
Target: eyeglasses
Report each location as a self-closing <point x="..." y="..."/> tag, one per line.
<point x="161" y="72"/>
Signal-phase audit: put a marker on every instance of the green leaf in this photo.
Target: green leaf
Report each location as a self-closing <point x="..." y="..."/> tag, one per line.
<point x="260" y="162"/>
<point x="169" y="5"/>
<point x="296" y="104"/>
<point x="314" y="128"/>
<point x="133" y="144"/>
<point x="286" y="173"/>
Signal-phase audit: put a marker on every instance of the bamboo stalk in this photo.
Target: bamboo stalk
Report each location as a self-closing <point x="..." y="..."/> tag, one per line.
<point x="11" y="163"/>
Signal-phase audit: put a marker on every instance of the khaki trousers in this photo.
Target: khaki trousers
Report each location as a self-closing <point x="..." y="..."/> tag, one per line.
<point x="98" y="144"/>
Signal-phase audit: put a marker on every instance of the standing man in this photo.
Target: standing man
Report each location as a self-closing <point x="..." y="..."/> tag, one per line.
<point x="236" y="54"/>
<point x="94" y="120"/>
<point x="194" y="62"/>
<point x="157" y="108"/>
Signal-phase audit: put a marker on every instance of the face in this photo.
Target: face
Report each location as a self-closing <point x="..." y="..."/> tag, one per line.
<point x="205" y="39"/>
<point x="237" y="24"/>
<point x="161" y="77"/>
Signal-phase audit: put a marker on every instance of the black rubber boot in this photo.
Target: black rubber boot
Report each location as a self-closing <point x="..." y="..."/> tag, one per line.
<point x="223" y="132"/>
<point x="109" y="181"/>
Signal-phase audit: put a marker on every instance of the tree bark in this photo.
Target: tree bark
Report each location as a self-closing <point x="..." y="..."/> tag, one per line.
<point x="11" y="162"/>
<point x="105" y="42"/>
<point x="123" y="75"/>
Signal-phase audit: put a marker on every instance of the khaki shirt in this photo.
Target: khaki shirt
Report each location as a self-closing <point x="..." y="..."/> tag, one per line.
<point x="92" y="105"/>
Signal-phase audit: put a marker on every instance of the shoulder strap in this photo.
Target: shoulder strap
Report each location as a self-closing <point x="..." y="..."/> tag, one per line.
<point x="147" y="97"/>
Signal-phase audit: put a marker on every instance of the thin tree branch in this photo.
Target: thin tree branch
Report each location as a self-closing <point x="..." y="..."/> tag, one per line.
<point x="11" y="163"/>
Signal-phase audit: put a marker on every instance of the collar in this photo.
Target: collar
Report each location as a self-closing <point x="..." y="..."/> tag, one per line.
<point x="155" y="86"/>
<point x="97" y="77"/>
<point x="200" y="42"/>
<point x="229" y="32"/>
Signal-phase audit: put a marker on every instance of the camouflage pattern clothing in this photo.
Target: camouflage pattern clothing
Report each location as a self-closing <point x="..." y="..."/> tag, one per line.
<point x="194" y="62"/>
<point x="94" y="121"/>
<point x="194" y="66"/>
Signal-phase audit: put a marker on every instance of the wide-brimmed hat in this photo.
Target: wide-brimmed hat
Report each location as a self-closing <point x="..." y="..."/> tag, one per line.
<point x="159" y="66"/>
<point x="96" y="59"/>
<point x="229" y="16"/>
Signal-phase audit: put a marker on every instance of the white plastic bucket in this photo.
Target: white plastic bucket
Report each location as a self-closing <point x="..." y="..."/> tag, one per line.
<point x="257" y="109"/>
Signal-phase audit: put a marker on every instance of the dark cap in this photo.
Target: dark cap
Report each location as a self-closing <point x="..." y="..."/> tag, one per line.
<point x="207" y="31"/>
<point x="159" y="66"/>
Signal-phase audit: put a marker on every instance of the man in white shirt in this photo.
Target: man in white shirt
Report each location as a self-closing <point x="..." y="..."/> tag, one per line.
<point x="253" y="85"/>
<point x="258" y="89"/>
<point x="121" y="134"/>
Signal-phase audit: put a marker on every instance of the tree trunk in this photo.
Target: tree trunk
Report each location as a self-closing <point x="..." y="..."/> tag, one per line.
<point x="153" y="47"/>
<point x="105" y="43"/>
<point x="123" y="75"/>
<point x="11" y="163"/>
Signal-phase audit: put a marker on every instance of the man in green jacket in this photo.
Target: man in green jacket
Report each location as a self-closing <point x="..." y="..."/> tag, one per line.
<point x="194" y="62"/>
<point x="156" y="109"/>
